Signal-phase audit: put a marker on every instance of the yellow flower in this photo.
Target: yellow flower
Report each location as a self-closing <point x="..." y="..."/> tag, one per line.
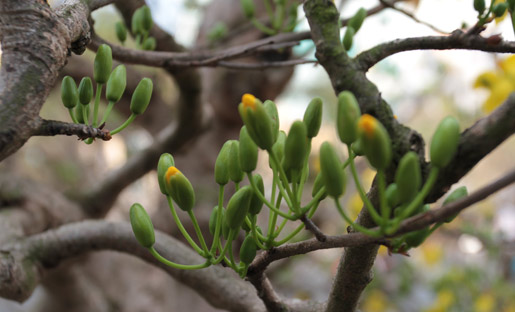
<point x="485" y="303"/>
<point x="376" y="301"/>
<point x="444" y="300"/>
<point x="432" y="253"/>
<point x="500" y="83"/>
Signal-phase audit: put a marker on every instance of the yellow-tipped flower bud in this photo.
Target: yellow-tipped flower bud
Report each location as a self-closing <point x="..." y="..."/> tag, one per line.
<point x="258" y="122"/>
<point x="375" y="141"/>
<point x="179" y="188"/>
<point x="142" y="226"/>
<point x="165" y="161"/>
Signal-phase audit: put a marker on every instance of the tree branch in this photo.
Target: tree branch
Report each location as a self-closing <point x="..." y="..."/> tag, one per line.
<point x="457" y="40"/>
<point x="54" y="127"/>
<point x="22" y="262"/>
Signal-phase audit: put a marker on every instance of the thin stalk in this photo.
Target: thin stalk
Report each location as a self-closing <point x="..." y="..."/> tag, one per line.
<point x="98" y="94"/>
<point x="255" y="234"/>
<point x="85" y="115"/>
<point x="282" y="175"/>
<point x="72" y="115"/>
<point x="385" y="209"/>
<point x="272" y="222"/>
<point x="169" y="263"/>
<point x="124" y="125"/>
<point x="264" y="29"/>
<point x="107" y="112"/>
<point x="371" y="210"/>
<point x="219" y="219"/>
<point x="230" y="238"/>
<point x="358" y="227"/>
<point x="198" y="231"/>
<point x="182" y="229"/>
<point x="264" y="200"/>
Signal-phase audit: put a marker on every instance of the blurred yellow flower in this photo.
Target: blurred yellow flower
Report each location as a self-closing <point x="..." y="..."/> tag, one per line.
<point x="376" y="301"/>
<point x="485" y="303"/>
<point x="500" y="83"/>
<point x="444" y="300"/>
<point x="355" y="204"/>
<point x="432" y="253"/>
<point x="499" y="19"/>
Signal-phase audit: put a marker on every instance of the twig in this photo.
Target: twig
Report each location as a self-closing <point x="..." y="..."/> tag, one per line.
<point x="457" y="40"/>
<point x="264" y="65"/>
<point x="412" y="16"/>
<point x="311" y="226"/>
<point x="54" y="127"/>
<point x="266" y="292"/>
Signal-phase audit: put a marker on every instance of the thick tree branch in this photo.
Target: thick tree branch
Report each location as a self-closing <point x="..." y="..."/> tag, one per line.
<point x="23" y="263"/>
<point x="54" y="127"/>
<point x="457" y="40"/>
<point x="32" y="60"/>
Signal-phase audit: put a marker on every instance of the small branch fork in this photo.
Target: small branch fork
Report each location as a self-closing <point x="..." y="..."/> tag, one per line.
<point x="54" y="127"/>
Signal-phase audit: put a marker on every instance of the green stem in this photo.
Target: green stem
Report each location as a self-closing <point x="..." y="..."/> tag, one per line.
<point x="219" y="219"/>
<point x="169" y="263"/>
<point x="358" y="227"/>
<point x="292" y="202"/>
<point x="305" y="173"/>
<point x="272" y="221"/>
<point x="277" y="23"/>
<point x="385" y="209"/>
<point x="182" y="229"/>
<point x="255" y="234"/>
<point x="198" y="231"/>
<point x="98" y="94"/>
<point x="264" y="29"/>
<point x="224" y="250"/>
<point x="85" y="115"/>
<point x="243" y="271"/>
<point x="72" y="115"/>
<point x="371" y="210"/>
<point x="297" y="230"/>
<point x="264" y="200"/>
<point x="124" y="125"/>
<point x="107" y="112"/>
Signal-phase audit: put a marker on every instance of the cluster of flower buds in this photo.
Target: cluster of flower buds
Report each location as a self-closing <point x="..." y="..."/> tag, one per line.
<point x="353" y="25"/>
<point x="288" y="158"/>
<point x="141" y="24"/>
<point x="78" y="100"/>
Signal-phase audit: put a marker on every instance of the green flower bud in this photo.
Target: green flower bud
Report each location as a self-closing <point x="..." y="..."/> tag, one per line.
<point x="165" y="161"/>
<point x="313" y="117"/>
<point x="146" y="18"/>
<point x="78" y="114"/>
<point x="391" y="194"/>
<point x="499" y="9"/>
<point x="347" y="117"/>
<point x="259" y="124"/>
<point x="142" y="226"/>
<point x="248" y="151"/>
<point x="278" y="148"/>
<point x="141" y="96"/>
<point x="149" y="44"/>
<point x="376" y="143"/>
<point x="458" y="193"/>
<point x="213" y="219"/>
<point x="348" y="38"/>
<point x="331" y="169"/>
<point x="222" y="164"/>
<point x="103" y="64"/>
<point x="292" y="18"/>
<point x="235" y="172"/>
<point x="248" y="8"/>
<point x="271" y="110"/>
<point x="445" y="142"/>
<point x="136" y="22"/>
<point x="317" y="185"/>
<point x="69" y="93"/>
<point x="357" y="148"/>
<point x="296" y="147"/>
<point x="85" y="91"/>
<point x="415" y="239"/>
<point x="179" y="188"/>
<point x="255" y="203"/>
<point x="248" y="250"/>
<point x="357" y="20"/>
<point x="116" y="84"/>
<point x="408" y="177"/>
<point x="238" y="207"/>
<point x="121" y="31"/>
<point x="479" y="6"/>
